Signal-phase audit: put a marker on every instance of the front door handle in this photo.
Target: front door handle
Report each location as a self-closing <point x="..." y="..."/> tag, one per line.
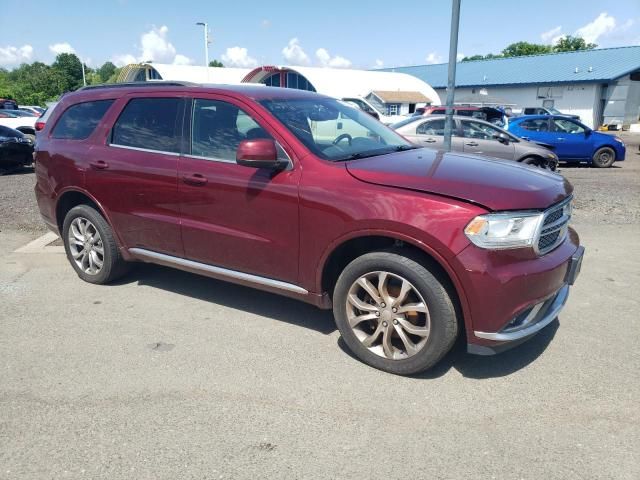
<point x="99" y="164"/>
<point x="430" y="140"/>
<point x="194" y="179"/>
<point x="560" y="139"/>
<point x="525" y="138"/>
<point x="472" y="144"/>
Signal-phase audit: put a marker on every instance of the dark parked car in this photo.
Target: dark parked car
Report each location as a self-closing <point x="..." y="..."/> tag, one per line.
<point x="410" y="247"/>
<point x="16" y="149"/>
<point x="571" y="140"/>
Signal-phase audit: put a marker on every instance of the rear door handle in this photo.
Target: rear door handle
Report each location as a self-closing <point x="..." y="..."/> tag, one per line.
<point x="430" y="140"/>
<point x="99" y="164"/>
<point x="472" y="144"/>
<point x="560" y="139"/>
<point x="525" y="138"/>
<point x="194" y="179"/>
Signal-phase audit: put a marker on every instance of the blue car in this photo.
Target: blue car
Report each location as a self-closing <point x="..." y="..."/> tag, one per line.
<point x="571" y="140"/>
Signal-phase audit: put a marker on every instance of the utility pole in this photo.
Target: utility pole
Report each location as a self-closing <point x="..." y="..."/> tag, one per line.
<point x="451" y="80"/>
<point x="206" y="45"/>
<point x="84" y="78"/>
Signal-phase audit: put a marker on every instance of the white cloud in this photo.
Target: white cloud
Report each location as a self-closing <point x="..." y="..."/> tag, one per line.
<point x="122" y="60"/>
<point x="238" y="57"/>
<point x="294" y="54"/>
<point x="10" y="55"/>
<point x="63" y="47"/>
<point x="379" y="63"/>
<point x="552" y="36"/>
<point x="266" y="23"/>
<point x="182" y="60"/>
<point x="602" y="25"/>
<point x="433" y="57"/>
<point x="460" y="56"/>
<point x="154" y="47"/>
<point x="326" y="60"/>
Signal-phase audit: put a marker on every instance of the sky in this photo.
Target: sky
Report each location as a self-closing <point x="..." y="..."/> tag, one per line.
<point x="343" y="34"/>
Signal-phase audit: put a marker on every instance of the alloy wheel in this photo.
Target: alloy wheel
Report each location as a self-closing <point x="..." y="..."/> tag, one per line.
<point x="85" y="245"/>
<point x="388" y="315"/>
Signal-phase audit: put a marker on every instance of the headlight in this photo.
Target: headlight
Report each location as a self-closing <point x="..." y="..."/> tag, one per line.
<point x="618" y="139"/>
<point x="504" y="230"/>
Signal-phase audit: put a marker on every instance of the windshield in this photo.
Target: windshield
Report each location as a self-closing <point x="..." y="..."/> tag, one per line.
<point x="333" y="130"/>
<point x="554" y="111"/>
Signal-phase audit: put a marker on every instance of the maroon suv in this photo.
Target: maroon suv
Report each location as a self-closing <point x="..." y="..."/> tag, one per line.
<point x="299" y="194"/>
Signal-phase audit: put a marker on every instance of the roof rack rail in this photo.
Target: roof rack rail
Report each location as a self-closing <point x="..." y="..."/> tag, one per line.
<point x="153" y="83"/>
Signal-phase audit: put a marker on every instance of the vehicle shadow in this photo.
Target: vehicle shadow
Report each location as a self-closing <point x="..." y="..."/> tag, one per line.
<point x="5" y="171"/>
<point x="230" y="295"/>
<point x="303" y="315"/>
<point x="481" y="367"/>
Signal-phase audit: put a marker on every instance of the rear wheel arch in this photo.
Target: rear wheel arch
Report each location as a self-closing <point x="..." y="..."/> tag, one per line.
<point x="73" y="198"/>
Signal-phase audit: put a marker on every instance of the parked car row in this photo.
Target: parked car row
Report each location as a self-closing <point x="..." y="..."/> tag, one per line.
<point x="540" y="140"/>
<point x="299" y="194"/>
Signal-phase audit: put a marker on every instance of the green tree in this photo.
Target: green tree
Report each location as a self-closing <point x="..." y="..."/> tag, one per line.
<point x="68" y="66"/>
<point x="520" y="49"/>
<point x="571" y="44"/>
<point x="215" y="63"/>
<point x="106" y="71"/>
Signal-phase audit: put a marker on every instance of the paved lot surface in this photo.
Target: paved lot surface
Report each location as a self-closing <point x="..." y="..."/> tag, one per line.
<point x="168" y="375"/>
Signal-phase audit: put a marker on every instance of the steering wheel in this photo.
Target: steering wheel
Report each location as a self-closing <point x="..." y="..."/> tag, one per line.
<point x="339" y="138"/>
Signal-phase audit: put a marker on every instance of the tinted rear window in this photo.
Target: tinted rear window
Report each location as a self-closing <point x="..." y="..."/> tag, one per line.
<point x="150" y="123"/>
<point x="80" y="120"/>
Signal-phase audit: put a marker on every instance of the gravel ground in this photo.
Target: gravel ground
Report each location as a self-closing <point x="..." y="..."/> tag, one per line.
<point x="610" y="196"/>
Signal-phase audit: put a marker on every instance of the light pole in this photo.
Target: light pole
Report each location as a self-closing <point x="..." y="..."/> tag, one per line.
<point x="451" y="81"/>
<point x="206" y="42"/>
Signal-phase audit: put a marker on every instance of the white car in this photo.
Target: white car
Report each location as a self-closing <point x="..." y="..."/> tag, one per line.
<point x="33" y="109"/>
<point x="365" y="106"/>
<point x="27" y="125"/>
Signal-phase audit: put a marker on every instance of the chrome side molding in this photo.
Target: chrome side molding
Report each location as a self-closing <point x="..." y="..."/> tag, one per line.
<point x="182" y="263"/>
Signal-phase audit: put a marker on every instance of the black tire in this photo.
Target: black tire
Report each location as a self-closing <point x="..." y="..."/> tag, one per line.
<point x="113" y="266"/>
<point x="443" y="321"/>
<point x="604" y="157"/>
<point x="538" y="162"/>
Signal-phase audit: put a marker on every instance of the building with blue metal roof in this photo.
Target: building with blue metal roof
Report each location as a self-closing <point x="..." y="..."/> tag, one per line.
<point x="601" y="86"/>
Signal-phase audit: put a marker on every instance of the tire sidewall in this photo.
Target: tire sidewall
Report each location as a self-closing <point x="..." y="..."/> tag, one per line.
<point x="441" y="310"/>
<point x="596" y="157"/>
<point x="101" y="226"/>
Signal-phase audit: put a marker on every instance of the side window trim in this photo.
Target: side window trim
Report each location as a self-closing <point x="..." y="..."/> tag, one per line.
<point x="179" y="127"/>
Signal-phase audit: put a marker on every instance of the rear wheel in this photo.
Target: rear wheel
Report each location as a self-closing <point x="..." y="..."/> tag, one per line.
<point x="91" y="247"/>
<point x="393" y="313"/>
<point x="604" y="157"/>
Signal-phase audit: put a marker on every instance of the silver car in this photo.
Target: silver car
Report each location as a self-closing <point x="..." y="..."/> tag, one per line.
<point x="477" y="137"/>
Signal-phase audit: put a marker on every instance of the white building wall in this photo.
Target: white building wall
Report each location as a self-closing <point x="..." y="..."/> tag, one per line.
<point x="576" y="99"/>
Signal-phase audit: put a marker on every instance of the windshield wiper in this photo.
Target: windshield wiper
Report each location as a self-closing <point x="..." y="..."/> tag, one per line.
<point x="376" y="152"/>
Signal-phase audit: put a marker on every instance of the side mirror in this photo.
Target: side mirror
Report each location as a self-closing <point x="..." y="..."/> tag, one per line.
<point x="587" y="132"/>
<point x="503" y="138"/>
<point x="258" y="153"/>
<point x="374" y="115"/>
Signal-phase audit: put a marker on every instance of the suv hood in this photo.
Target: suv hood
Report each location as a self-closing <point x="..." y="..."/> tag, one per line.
<point x="493" y="183"/>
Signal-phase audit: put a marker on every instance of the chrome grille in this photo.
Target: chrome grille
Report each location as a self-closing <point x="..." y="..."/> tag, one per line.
<point x="554" y="226"/>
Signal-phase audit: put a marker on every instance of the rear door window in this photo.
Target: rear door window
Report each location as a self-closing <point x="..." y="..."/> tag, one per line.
<point x="480" y="131"/>
<point x="536" y="125"/>
<point x="80" y="120"/>
<point x="150" y="124"/>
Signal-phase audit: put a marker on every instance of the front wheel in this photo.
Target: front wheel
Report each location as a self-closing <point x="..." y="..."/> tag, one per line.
<point x="393" y="313"/>
<point x="604" y="157"/>
<point x="540" y="163"/>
